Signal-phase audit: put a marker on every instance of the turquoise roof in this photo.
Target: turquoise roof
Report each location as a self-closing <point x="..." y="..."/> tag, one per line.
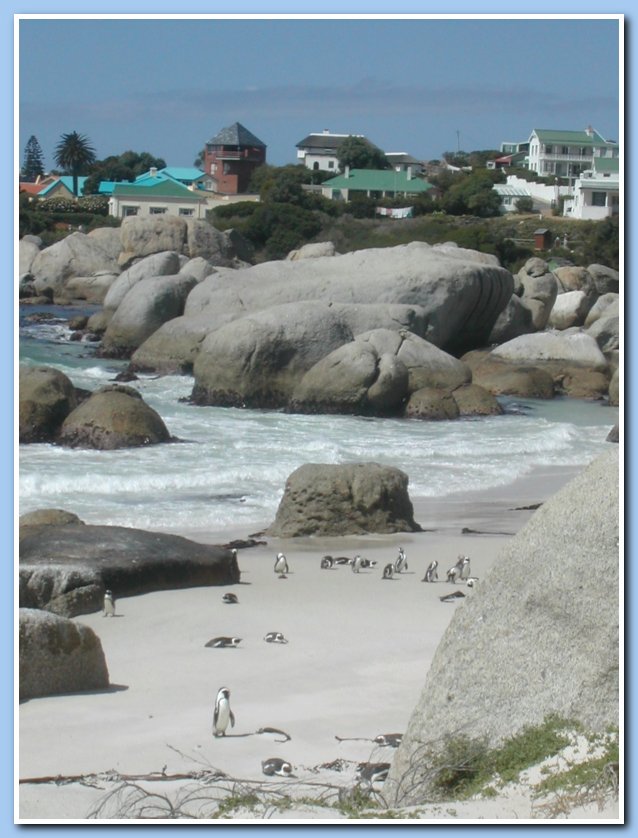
<point x="378" y="180"/>
<point x="165" y="188"/>
<point x="188" y="173"/>
<point x="65" y="180"/>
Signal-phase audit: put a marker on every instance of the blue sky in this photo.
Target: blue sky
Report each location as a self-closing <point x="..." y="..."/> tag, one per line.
<point x="421" y="86"/>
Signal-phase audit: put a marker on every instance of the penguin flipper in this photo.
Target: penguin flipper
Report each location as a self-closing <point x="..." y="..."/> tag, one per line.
<point x="232" y="719"/>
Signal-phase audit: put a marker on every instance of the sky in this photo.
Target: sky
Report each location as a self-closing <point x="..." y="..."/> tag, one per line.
<point x="422" y="86"/>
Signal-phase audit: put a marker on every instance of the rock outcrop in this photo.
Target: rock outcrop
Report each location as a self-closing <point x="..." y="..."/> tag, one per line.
<point x="343" y="500"/>
<point x="66" y="568"/>
<point x="538" y="635"/>
<point x="58" y="656"/>
<point x="46" y="398"/>
<point x="76" y="255"/>
<point x="115" y="416"/>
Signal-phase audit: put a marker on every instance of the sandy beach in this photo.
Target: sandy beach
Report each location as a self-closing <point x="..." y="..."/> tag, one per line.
<point x="358" y="652"/>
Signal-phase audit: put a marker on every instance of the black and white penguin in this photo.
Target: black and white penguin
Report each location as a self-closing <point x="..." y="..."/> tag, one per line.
<point x="389" y="740"/>
<point x="278" y="766"/>
<point x="230" y="599"/>
<point x="224" y="642"/>
<point x="275" y="637"/>
<point x="109" y="604"/>
<point x="432" y="574"/>
<point x="373" y="772"/>
<point x="388" y="571"/>
<point x="368" y="563"/>
<point x="471" y="581"/>
<point x="465" y="568"/>
<point x="327" y="563"/>
<point x="281" y="565"/>
<point x="452" y="573"/>
<point x="342" y="560"/>
<point x="222" y="714"/>
<point x="401" y="561"/>
<point x="452" y="597"/>
<point x="356" y="564"/>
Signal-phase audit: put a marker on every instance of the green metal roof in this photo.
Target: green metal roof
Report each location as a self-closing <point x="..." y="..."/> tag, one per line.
<point x="378" y="180"/>
<point x="162" y="189"/>
<point x="570" y="137"/>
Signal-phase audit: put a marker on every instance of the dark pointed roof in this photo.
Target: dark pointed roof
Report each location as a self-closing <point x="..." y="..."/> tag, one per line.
<point x="236" y="134"/>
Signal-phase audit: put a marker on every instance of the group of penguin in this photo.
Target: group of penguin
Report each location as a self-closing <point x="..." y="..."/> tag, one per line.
<point x="223" y="716"/>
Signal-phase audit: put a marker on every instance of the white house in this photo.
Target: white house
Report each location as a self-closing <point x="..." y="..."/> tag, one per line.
<point x="509" y="195"/>
<point x="163" y="197"/>
<point x="596" y="193"/>
<point x="567" y="153"/>
<point x="319" y="151"/>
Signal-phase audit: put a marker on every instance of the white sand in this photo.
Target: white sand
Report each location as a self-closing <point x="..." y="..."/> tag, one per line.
<point x="358" y="653"/>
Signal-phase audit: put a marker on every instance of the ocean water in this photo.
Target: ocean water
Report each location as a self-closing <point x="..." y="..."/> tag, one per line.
<point x="229" y="469"/>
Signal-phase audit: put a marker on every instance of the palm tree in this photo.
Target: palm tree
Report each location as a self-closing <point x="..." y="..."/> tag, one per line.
<point x="74" y="153"/>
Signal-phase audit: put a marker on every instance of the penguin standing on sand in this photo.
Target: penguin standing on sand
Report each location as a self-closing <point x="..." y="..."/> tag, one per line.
<point x="109" y="604"/>
<point x="465" y="568"/>
<point x="452" y="573"/>
<point x="356" y="564"/>
<point x="401" y="561"/>
<point x="388" y="571"/>
<point x="222" y="715"/>
<point x="432" y="574"/>
<point x="281" y="565"/>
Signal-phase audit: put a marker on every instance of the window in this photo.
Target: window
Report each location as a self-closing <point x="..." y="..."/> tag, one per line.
<point x="331" y="164"/>
<point x="598" y="199"/>
<point x="185" y="211"/>
<point x="565" y="149"/>
<point x="129" y="211"/>
<point x="157" y="210"/>
<point x="548" y="149"/>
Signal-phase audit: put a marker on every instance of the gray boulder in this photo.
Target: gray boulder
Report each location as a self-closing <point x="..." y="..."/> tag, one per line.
<point x="66" y="568"/>
<point x="606" y="333"/>
<point x="115" y="416"/>
<point x="501" y="378"/>
<point x="165" y="263"/>
<point x="460" y="297"/>
<point x="46" y="397"/>
<point x="513" y="321"/>
<point x="614" y="390"/>
<point x="474" y="400"/>
<point x="109" y="239"/>
<point x="432" y="403"/>
<point x="205" y="241"/>
<point x="145" y="236"/>
<point x="344" y="500"/>
<point x="539" y="291"/>
<point x="75" y="255"/>
<point x="313" y="251"/>
<point x="375" y="374"/>
<point x="537" y="636"/>
<point x="608" y="305"/>
<point x="148" y="304"/>
<point x="47" y="517"/>
<point x="573" y="278"/>
<point x="58" y="656"/>
<point x="198" y="267"/>
<point x="28" y="248"/>
<point x="93" y="289"/>
<point x="570" y="309"/>
<point x="606" y="280"/>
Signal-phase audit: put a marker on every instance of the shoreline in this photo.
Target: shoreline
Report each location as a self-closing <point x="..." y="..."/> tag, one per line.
<point x="358" y="653"/>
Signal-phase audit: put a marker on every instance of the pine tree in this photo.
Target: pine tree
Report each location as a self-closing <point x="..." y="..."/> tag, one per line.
<point x="33" y="160"/>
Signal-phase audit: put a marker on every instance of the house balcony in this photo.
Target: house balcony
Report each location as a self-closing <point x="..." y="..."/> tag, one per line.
<point x="238" y="154"/>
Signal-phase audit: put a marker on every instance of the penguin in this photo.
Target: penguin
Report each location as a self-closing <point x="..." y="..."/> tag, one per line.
<point x="368" y="563"/>
<point x="390" y="740"/>
<point x="342" y="560"/>
<point x="230" y="599"/>
<point x="388" y="571"/>
<point x="327" y="563"/>
<point x="275" y="637"/>
<point x="222" y="715"/>
<point x="452" y="573"/>
<point x="401" y="561"/>
<point x="465" y="568"/>
<point x="224" y="642"/>
<point x="356" y="564"/>
<point x="109" y="604"/>
<point x="277" y="766"/>
<point x="452" y="597"/>
<point x="471" y="581"/>
<point x="281" y="565"/>
<point x="373" y="772"/>
<point x="431" y="574"/>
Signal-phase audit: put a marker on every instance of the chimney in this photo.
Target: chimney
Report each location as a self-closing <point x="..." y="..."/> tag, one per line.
<point x="347" y="172"/>
<point x="326" y="130"/>
<point x="153" y="171"/>
<point x="589" y="131"/>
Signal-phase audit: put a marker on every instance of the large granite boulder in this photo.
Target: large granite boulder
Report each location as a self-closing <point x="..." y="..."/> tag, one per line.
<point x="572" y="357"/>
<point x="66" y="568"/>
<point x="501" y="378"/>
<point x="198" y="267"/>
<point x="46" y="397"/>
<point x="344" y="500"/>
<point x="313" y="251"/>
<point x="47" y="517"/>
<point x="570" y="309"/>
<point x="190" y="237"/>
<point x="115" y="416"/>
<point x="474" y="400"/>
<point x="28" y="248"/>
<point x="456" y="295"/>
<point x="92" y="289"/>
<point x="537" y="636"/>
<point x="431" y="403"/>
<point x="165" y="263"/>
<point x="375" y="374"/>
<point x="606" y="332"/>
<point x="513" y="321"/>
<point x="76" y="255"/>
<point x="539" y="290"/>
<point x="607" y="305"/>
<point x="58" y="656"/>
<point x="573" y="278"/>
<point x="148" y="304"/>
<point x="606" y="280"/>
